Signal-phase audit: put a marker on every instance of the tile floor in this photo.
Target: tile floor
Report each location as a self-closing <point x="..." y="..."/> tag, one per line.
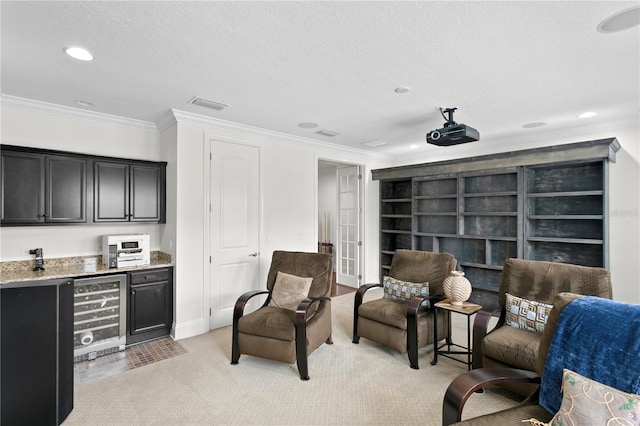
<point x="132" y="357"/>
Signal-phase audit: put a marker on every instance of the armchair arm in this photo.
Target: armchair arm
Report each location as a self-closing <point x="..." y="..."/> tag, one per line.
<point x="463" y="386"/>
<point x="481" y="329"/>
<point x="300" y="322"/>
<point x="300" y="318"/>
<point x="238" y="309"/>
<point x="356" y="304"/>
<point x="412" y="325"/>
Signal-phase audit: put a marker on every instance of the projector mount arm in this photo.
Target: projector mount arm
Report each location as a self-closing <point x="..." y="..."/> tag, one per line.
<point x="449" y="112"/>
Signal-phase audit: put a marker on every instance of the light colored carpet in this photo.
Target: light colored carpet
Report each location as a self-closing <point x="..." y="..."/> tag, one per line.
<point x="364" y="384"/>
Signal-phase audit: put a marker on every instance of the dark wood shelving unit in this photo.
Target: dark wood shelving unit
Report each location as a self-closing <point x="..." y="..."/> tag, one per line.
<point x="540" y="204"/>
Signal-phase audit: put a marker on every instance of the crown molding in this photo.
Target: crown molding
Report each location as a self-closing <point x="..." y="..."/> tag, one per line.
<point x="65" y="111"/>
<point x="203" y="120"/>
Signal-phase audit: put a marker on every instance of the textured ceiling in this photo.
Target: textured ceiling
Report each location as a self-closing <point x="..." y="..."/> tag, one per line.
<point x="277" y="64"/>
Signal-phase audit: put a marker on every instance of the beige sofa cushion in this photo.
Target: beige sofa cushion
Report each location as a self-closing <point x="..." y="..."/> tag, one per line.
<point x="270" y="322"/>
<point x="513" y="346"/>
<point x="388" y="312"/>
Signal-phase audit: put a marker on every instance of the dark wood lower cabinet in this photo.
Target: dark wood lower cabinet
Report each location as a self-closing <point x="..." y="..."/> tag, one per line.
<point x="150" y="306"/>
<point x="36" y="360"/>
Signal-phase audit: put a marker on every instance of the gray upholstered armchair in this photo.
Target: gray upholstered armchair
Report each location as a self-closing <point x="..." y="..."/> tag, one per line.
<point x="405" y="325"/>
<point x="535" y="281"/>
<point x="289" y="325"/>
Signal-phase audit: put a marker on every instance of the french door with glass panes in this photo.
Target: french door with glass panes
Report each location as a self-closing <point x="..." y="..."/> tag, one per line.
<point x="349" y="212"/>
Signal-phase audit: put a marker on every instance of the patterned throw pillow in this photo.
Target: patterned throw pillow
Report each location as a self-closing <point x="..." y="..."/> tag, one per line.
<point x="526" y="314"/>
<point x="403" y="290"/>
<point x="587" y="402"/>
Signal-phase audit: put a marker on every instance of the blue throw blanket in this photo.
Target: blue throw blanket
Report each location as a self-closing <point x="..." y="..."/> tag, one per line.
<point x="599" y="339"/>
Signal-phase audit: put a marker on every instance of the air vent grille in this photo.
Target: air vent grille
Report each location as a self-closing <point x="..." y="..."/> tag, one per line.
<point x="328" y="133"/>
<point x="379" y="142"/>
<point x="207" y="103"/>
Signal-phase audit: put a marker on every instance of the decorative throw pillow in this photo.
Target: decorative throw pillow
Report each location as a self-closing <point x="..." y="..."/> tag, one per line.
<point x="587" y="402"/>
<point x="289" y="290"/>
<point x="526" y="314"/>
<point x="403" y="290"/>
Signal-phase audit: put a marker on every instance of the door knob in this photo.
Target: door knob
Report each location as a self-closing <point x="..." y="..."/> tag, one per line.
<point x="255" y="254"/>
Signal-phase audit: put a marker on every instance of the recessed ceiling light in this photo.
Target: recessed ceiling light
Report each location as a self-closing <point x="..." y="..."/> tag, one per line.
<point x="587" y="114"/>
<point x="79" y="53"/>
<point x="84" y="103"/>
<point x="308" y="125"/>
<point x="402" y="89"/>
<point x="620" y="21"/>
<point x="534" y="124"/>
<point x="413" y="146"/>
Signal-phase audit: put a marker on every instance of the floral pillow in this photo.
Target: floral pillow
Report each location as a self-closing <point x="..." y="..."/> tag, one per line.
<point x="526" y="314"/>
<point x="587" y="402"/>
<point x="403" y="290"/>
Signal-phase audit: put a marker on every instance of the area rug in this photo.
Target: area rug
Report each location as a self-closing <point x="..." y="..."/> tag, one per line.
<point x="364" y="384"/>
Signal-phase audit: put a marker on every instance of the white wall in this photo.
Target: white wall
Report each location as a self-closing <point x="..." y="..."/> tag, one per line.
<point x="34" y="128"/>
<point x="624" y="195"/>
<point x="289" y="206"/>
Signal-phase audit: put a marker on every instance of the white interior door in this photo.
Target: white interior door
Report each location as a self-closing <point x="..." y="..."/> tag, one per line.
<point x="234" y="226"/>
<point x="349" y="241"/>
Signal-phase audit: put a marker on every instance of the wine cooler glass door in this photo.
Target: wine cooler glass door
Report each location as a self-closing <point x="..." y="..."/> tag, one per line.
<point x="99" y="315"/>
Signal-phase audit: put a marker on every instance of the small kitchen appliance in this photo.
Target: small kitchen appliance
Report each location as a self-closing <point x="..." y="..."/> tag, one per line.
<point x="121" y="251"/>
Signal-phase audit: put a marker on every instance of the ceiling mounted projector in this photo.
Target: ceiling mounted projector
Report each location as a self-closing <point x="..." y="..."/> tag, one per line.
<point x="452" y="133"/>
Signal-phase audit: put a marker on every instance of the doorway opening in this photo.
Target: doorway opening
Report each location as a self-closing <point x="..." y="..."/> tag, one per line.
<point x="340" y="221"/>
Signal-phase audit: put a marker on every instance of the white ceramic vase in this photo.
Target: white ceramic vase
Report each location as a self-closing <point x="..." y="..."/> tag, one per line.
<point x="457" y="288"/>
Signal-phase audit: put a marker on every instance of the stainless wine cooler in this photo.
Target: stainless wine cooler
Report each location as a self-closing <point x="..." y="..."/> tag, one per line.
<point x="100" y="314"/>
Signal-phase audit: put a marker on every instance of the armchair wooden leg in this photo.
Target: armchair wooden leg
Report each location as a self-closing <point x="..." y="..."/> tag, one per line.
<point x="301" y="359"/>
<point x="412" y="341"/>
<point x="235" y="347"/>
<point x="301" y="352"/>
<point x="329" y="341"/>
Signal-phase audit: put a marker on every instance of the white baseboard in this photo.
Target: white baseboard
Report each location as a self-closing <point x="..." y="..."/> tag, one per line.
<point x="188" y="329"/>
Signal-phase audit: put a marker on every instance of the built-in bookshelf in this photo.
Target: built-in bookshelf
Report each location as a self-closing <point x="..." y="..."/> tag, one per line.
<point x="542" y="204"/>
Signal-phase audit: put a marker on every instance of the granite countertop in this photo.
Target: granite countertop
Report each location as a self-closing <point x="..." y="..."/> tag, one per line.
<point x="71" y="267"/>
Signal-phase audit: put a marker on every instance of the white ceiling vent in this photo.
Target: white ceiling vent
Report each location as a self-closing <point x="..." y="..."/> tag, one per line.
<point x="379" y="142"/>
<point x="207" y="103"/>
<point x="328" y="133"/>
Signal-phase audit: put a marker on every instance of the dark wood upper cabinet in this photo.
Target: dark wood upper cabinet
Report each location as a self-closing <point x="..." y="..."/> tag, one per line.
<point x="22" y="188"/>
<point x="111" y="192"/>
<point x="66" y="189"/>
<point x="128" y="192"/>
<point x="146" y="193"/>
<point x="41" y="187"/>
